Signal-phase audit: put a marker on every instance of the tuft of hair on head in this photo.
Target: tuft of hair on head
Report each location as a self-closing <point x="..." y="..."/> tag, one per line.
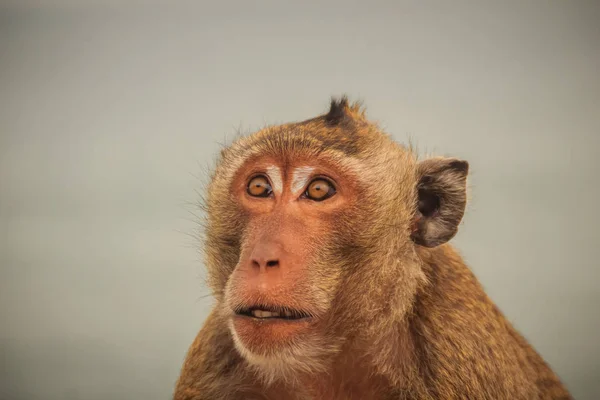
<point x="341" y="110"/>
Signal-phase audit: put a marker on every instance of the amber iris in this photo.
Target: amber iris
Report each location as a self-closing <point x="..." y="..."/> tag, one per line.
<point x="259" y="186"/>
<point x="320" y="189"/>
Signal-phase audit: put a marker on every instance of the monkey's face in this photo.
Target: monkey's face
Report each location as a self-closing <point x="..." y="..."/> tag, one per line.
<point x="311" y="234"/>
<point x="318" y="229"/>
<point x="291" y="256"/>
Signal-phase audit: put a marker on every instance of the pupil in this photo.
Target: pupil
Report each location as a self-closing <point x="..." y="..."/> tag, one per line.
<point x="319" y="189"/>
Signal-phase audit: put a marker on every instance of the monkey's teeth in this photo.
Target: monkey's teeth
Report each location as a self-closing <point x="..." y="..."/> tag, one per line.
<point x="264" y="314"/>
<point x="288" y="313"/>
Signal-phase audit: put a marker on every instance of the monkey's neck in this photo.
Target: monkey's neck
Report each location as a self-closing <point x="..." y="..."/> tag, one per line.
<point x="350" y="377"/>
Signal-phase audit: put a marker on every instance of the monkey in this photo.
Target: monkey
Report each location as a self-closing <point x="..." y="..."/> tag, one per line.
<point x="327" y="246"/>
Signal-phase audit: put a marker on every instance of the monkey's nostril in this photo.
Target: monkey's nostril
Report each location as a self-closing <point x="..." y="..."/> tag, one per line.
<point x="272" y="263"/>
<point x="255" y="264"/>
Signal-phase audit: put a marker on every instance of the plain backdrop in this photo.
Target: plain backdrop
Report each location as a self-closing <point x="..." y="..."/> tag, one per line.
<point x="110" y="113"/>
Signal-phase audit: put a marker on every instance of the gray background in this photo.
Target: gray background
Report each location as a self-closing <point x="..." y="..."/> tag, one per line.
<point x="110" y="112"/>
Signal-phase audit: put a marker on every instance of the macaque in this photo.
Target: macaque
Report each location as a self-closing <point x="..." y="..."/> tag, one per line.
<point x="326" y="244"/>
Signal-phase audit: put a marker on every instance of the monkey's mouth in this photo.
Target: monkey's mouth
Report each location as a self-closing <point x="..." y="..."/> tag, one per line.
<point x="270" y="312"/>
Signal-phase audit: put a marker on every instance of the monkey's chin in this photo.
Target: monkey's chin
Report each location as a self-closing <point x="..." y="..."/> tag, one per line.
<point x="279" y="349"/>
<point x="267" y="336"/>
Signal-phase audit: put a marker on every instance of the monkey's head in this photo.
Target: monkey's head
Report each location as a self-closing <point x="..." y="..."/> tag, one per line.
<point x="311" y="237"/>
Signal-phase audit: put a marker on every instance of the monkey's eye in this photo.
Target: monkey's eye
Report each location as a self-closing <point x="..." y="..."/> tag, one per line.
<point x="319" y="190"/>
<point x="259" y="186"/>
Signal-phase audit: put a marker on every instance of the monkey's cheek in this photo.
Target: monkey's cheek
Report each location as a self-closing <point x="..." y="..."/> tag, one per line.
<point x="268" y="335"/>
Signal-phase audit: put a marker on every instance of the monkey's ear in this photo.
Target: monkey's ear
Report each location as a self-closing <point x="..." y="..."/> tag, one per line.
<point x="442" y="197"/>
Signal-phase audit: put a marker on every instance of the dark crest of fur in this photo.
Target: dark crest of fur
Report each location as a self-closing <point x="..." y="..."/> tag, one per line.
<point x="341" y="111"/>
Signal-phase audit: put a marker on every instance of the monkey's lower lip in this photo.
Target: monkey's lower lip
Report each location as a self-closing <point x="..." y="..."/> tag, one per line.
<point x="260" y="334"/>
<point x="270" y="321"/>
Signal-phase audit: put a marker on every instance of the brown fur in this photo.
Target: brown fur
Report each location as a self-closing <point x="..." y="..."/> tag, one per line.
<point x="400" y="316"/>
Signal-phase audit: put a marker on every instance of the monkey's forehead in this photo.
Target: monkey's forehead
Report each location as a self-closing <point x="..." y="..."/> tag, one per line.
<point x="350" y="138"/>
<point x="363" y="154"/>
<point x="294" y="144"/>
<point x="308" y="139"/>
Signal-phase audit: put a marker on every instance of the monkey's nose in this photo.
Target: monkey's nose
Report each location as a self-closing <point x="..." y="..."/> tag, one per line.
<point x="267" y="255"/>
<point x="262" y="264"/>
